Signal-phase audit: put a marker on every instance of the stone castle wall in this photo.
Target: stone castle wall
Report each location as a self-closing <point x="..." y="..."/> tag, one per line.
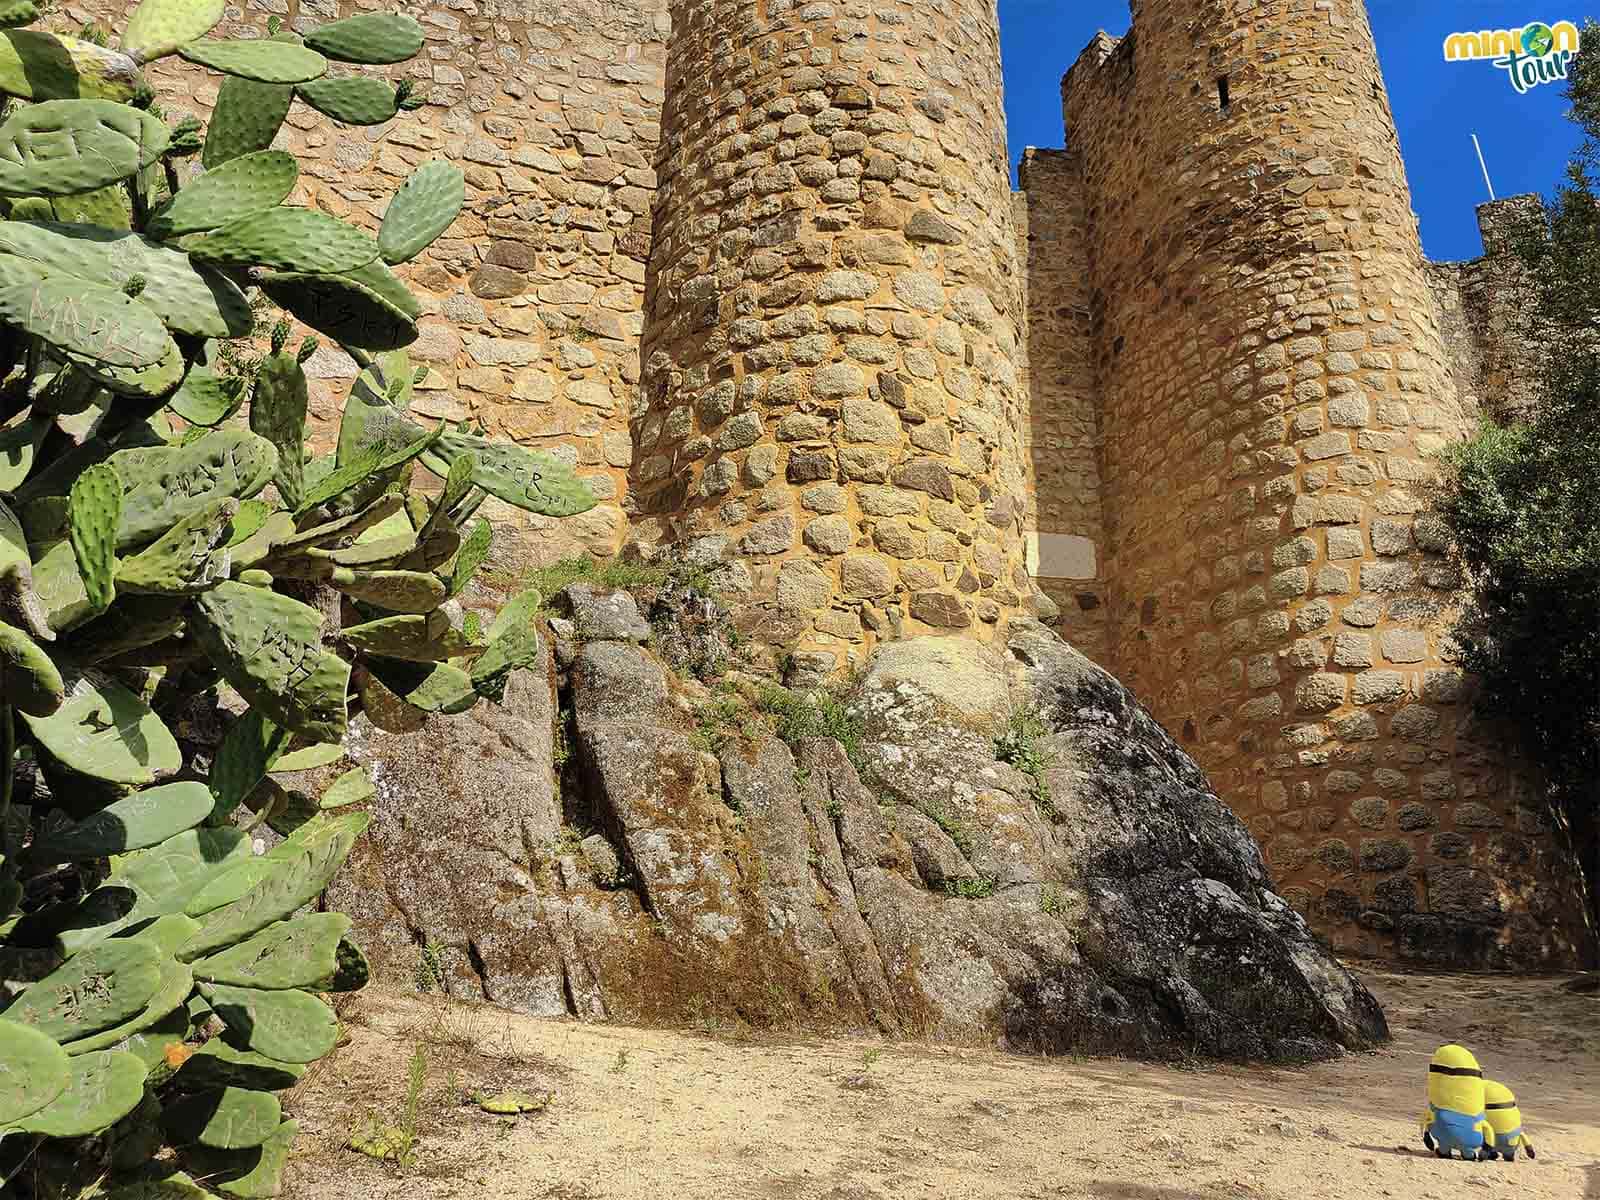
<point x="830" y="355"/>
<point x="1272" y="379"/>
<point x="755" y="269"/>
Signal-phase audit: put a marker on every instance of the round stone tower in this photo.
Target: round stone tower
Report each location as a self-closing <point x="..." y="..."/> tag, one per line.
<point x="830" y="406"/>
<point x="1273" y="382"/>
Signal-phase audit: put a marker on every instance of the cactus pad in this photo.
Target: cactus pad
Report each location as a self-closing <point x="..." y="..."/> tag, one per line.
<point x="396" y="591"/>
<point x="177" y="981"/>
<point x="269" y="648"/>
<point x="266" y="61"/>
<point x="248" y="184"/>
<point x="19" y="448"/>
<point x="45" y="66"/>
<point x="254" y="1174"/>
<point x="94" y="509"/>
<point x="351" y="100"/>
<point x="373" y="460"/>
<point x="513" y="641"/>
<point x="343" y="308"/>
<point x="165" y="484"/>
<point x="309" y="758"/>
<point x="382" y="707"/>
<point x="83" y="319"/>
<point x="34" y="1070"/>
<point x="185" y="560"/>
<point x="93" y="990"/>
<point x="427" y="203"/>
<point x="287" y="239"/>
<point x="438" y="688"/>
<point x="291" y="1026"/>
<point x="527" y="478"/>
<point x="278" y="413"/>
<point x="426" y="637"/>
<point x="353" y="787"/>
<point x="29" y="679"/>
<point x="61" y="147"/>
<point x="106" y="207"/>
<point x="302" y="953"/>
<point x="245" y="118"/>
<point x="146" y="818"/>
<point x="106" y="732"/>
<point x="371" y="38"/>
<point x="12" y="13"/>
<point x="190" y="299"/>
<point x="206" y="398"/>
<point x="228" y="1118"/>
<point x="248" y="751"/>
<point x="470" y="557"/>
<point x="159" y="27"/>
<point x="217" y="1064"/>
<point x="103" y="1088"/>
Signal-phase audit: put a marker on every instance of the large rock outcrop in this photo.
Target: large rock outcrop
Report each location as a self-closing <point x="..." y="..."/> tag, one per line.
<point x="1103" y="901"/>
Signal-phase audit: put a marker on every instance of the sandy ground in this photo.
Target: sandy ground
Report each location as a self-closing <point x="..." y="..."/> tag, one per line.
<point x="645" y="1113"/>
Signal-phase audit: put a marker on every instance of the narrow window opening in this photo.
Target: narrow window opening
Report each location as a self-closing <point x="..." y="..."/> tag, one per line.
<point x="1224" y="97"/>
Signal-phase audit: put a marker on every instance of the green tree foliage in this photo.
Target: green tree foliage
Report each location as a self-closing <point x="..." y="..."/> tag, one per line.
<point x="166" y="536"/>
<point x="1522" y="502"/>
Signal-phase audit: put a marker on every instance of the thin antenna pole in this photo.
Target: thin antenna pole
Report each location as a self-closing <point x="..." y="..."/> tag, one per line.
<point x="1484" y="165"/>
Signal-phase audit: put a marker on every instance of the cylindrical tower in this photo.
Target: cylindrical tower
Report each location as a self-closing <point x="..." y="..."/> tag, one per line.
<point x="1273" y="383"/>
<point x="829" y="386"/>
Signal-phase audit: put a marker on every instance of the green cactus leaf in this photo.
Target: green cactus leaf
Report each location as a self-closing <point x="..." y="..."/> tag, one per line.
<point x="353" y="973"/>
<point x="342" y="529"/>
<point x="395" y="591"/>
<point x="295" y="871"/>
<point x="309" y="758"/>
<point x="153" y="382"/>
<point x="217" y="1064"/>
<point x="106" y="732"/>
<point x="131" y="623"/>
<point x="240" y="187"/>
<point x="291" y="1026"/>
<point x="19" y="447"/>
<point x="426" y="205"/>
<point x="36" y="65"/>
<point x="165" y="484"/>
<point x="145" y="818"/>
<point x="377" y="278"/>
<point x="18" y="12"/>
<point x="224" y="1119"/>
<point x="383" y="708"/>
<point x="152" y="1044"/>
<point x="365" y="553"/>
<point x="278" y="413"/>
<point x="254" y="1174"/>
<point x="269" y="648"/>
<point x="188" y="559"/>
<point x="470" y="557"/>
<point x="265" y="61"/>
<point x="106" y="207"/>
<point x="61" y="147"/>
<point x="342" y="308"/>
<point x="252" y="515"/>
<point x="189" y="299"/>
<point x="173" y="1187"/>
<point x="277" y="526"/>
<point x="353" y="787"/>
<point x="375" y="460"/>
<point x="83" y="319"/>
<point x="58" y="589"/>
<point x="29" y="680"/>
<point x="245" y="118"/>
<point x="513" y="642"/>
<point x="427" y="637"/>
<point x="371" y="38"/>
<point x="526" y="478"/>
<point x="104" y="1087"/>
<point x="94" y="509"/>
<point x="437" y="688"/>
<point x="206" y="398"/>
<point x="302" y="953"/>
<point x="177" y="981"/>
<point x="287" y="239"/>
<point x="34" y="1070"/>
<point x="351" y="100"/>
<point x="158" y="27"/>
<point x="250" y="748"/>
<point x="93" y="990"/>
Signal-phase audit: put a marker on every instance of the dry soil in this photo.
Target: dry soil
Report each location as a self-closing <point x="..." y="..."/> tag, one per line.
<point x="648" y="1114"/>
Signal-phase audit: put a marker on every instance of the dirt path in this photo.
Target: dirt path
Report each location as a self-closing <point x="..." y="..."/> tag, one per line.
<point x="660" y="1115"/>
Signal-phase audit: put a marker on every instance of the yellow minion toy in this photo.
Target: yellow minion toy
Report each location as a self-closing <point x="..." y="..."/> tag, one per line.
<point x="1454" y="1119"/>
<point x="1500" y="1107"/>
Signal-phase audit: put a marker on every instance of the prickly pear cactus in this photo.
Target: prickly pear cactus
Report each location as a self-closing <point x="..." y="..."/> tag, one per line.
<point x="164" y="534"/>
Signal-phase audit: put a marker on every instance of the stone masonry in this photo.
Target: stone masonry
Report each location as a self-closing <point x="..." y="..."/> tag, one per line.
<point x="755" y="267"/>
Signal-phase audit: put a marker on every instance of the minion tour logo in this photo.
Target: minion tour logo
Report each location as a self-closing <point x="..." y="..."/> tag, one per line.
<point x="1532" y="55"/>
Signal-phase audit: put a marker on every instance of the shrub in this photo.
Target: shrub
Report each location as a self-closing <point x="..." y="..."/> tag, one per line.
<point x="162" y="531"/>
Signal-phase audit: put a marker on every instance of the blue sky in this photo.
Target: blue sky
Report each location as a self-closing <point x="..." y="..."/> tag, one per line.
<point x="1438" y="105"/>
